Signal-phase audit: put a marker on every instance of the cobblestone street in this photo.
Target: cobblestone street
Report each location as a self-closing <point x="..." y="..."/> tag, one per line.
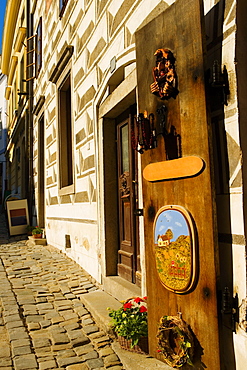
<point x="43" y="322"/>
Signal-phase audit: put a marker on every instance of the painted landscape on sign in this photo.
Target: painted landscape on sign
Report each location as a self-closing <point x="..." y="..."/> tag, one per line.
<point x="172" y="245"/>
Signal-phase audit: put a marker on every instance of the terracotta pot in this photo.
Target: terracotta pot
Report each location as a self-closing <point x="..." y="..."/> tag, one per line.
<point x="141" y="347"/>
<point x="37" y="236"/>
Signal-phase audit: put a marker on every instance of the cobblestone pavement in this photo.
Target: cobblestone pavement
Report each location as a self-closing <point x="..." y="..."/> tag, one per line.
<point x="43" y="323"/>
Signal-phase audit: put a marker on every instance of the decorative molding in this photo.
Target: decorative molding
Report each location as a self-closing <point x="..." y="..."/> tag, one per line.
<point x="19" y="39"/>
<point x="81" y="221"/>
<point x="7" y="92"/>
<point x="124" y="184"/>
<point x="39" y="105"/>
<point x="13" y="64"/>
<point x="59" y="67"/>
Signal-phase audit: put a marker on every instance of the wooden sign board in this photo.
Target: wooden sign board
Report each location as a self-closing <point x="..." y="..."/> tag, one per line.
<point x="180" y="29"/>
<point x="18" y="217"/>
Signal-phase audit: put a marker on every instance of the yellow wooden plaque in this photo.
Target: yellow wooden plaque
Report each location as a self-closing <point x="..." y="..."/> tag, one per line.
<point x="174" y="248"/>
<point x="174" y="169"/>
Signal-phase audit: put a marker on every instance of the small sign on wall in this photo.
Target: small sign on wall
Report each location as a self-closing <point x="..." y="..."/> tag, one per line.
<point x="175" y="248"/>
<point x="18" y="218"/>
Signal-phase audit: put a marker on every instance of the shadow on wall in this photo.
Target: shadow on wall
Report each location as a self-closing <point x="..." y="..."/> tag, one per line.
<point x="223" y="165"/>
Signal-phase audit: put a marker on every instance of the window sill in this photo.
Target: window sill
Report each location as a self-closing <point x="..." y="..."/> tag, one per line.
<point x="66" y="190"/>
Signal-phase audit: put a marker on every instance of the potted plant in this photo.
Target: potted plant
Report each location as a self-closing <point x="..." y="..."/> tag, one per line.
<point x="130" y="324"/>
<point x="37" y="232"/>
<point x="30" y="229"/>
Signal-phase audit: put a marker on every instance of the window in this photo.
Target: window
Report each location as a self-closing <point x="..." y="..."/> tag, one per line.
<point x="22" y="77"/>
<point x="38" y="49"/>
<point x="65" y="136"/>
<point x="62" y="6"/>
<point x="14" y="92"/>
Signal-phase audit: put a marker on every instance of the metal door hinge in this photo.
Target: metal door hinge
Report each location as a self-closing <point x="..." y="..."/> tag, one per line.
<point x="230" y="307"/>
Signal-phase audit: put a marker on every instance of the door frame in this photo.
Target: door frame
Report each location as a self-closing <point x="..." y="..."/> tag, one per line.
<point x="107" y="109"/>
<point x="126" y="119"/>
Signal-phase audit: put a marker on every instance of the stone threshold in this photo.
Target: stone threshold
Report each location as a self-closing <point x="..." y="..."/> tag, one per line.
<point x="35" y="241"/>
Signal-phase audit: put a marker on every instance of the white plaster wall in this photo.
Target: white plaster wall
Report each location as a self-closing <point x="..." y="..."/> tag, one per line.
<point x="56" y="33"/>
<point x="240" y="345"/>
<point x="82" y="235"/>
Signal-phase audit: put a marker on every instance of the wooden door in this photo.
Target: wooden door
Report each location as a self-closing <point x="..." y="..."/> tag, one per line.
<point x="128" y="253"/>
<point x="180" y="29"/>
<point x="41" y="172"/>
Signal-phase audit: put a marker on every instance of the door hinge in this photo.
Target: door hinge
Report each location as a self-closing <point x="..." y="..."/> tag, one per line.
<point x="230" y="307"/>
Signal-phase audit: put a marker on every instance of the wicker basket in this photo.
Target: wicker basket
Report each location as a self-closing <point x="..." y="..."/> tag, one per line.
<point x="141" y="347"/>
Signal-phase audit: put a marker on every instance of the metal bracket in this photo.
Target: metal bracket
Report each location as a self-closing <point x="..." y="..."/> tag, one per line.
<point x="161" y="128"/>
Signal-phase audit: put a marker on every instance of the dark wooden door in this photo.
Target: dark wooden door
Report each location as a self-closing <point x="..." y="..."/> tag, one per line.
<point x="41" y="173"/>
<point x="128" y="253"/>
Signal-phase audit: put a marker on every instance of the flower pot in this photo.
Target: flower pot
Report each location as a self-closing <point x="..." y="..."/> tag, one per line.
<point x="37" y="236"/>
<point x="141" y="347"/>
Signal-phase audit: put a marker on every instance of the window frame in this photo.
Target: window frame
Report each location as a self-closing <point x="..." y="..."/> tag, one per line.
<point x="66" y="178"/>
<point x="38" y="48"/>
<point x="62" y="6"/>
<point x="22" y="81"/>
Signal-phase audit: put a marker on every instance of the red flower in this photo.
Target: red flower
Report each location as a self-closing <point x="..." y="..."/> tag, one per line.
<point x="143" y="309"/>
<point x="145" y="297"/>
<point x="127" y="305"/>
<point x="138" y="300"/>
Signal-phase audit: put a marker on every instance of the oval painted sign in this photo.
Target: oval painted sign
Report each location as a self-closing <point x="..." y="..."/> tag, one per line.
<point x="174" y="248"/>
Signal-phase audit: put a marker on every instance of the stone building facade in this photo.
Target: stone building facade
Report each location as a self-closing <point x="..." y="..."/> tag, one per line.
<point x="3" y="138"/>
<point x="70" y="115"/>
<point x="17" y="103"/>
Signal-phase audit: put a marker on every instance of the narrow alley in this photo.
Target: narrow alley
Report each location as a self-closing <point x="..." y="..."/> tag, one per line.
<point x="123" y="132"/>
<point x="43" y="322"/>
<point x="53" y="315"/>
